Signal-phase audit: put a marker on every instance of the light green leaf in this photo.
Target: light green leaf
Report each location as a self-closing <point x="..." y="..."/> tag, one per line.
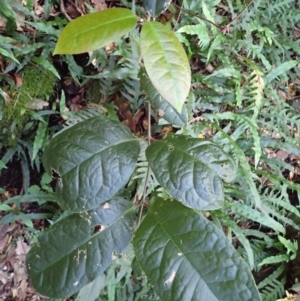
<point x="185" y="257"/>
<point x="284" y="67"/>
<point x="192" y="170"/>
<point x="166" y="63"/>
<point x="160" y="105"/>
<point x="275" y="259"/>
<point x="94" y="159"/>
<point x="4" y="207"/>
<point x="2" y="165"/>
<point x="95" y="30"/>
<point x="71" y="254"/>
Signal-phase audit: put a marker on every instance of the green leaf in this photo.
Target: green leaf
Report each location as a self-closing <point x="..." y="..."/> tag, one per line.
<point x="200" y="30"/>
<point x="14" y="216"/>
<point x="39" y="138"/>
<point x="8" y="53"/>
<point x="94" y="158"/>
<point x="283" y="68"/>
<point x="275" y="259"/>
<point x="185" y="257"/>
<point x="46" y="64"/>
<point x="191" y="170"/>
<point x="67" y="256"/>
<point x="166" y="63"/>
<point x="92" y="290"/>
<point x="95" y="30"/>
<point x="255" y="215"/>
<point x="2" y="165"/>
<point x="160" y="105"/>
<point x="155" y="7"/>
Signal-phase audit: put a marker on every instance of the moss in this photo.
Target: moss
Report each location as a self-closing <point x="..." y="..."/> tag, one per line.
<point x="37" y="83"/>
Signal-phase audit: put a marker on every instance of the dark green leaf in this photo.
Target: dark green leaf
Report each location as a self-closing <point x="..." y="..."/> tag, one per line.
<point x="69" y="255"/>
<point x="94" y="158"/>
<point x="185" y="257"/>
<point x="108" y="212"/>
<point x="166" y="63"/>
<point x="191" y="170"/>
<point x="95" y="30"/>
<point x="160" y="105"/>
<point x="155" y="7"/>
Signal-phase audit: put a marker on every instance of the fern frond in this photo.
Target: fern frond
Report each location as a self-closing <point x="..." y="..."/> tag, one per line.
<point x="256" y="86"/>
<point x="262" y="218"/>
<point x="271" y="288"/>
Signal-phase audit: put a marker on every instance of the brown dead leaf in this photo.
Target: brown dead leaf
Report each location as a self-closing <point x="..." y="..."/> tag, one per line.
<point x="99" y="4"/>
<point x="281" y="154"/>
<point x="4" y="277"/>
<point x="160" y="113"/>
<point x="22" y="248"/>
<point x="3" y="231"/>
<point x="18" y="80"/>
<point x="3" y="242"/>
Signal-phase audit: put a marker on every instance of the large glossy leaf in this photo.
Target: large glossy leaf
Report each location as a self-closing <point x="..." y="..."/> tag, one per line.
<point x="95" y="30"/>
<point x="185" y="257"/>
<point x="69" y="255"/>
<point x="166" y="63"/>
<point x="155" y="7"/>
<point x="94" y="159"/>
<point x="191" y="170"/>
<point x="160" y="105"/>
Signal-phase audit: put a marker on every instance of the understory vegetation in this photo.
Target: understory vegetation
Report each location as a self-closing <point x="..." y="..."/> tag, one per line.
<point x="151" y="160"/>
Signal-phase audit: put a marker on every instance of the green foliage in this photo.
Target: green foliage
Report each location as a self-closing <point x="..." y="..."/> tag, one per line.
<point x="91" y="149"/>
<point x="190" y="161"/>
<point x="81" y="35"/>
<point x="107" y="177"/>
<point x="105" y="152"/>
<point x="37" y="86"/>
<point x="192" y="254"/>
<point x="166" y="63"/>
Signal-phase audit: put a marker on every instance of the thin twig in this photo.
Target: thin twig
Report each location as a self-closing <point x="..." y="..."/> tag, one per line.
<point x="226" y="27"/>
<point x="197" y="16"/>
<point x="63" y="10"/>
<point x="178" y="17"/>
<point x="148" y="168"/>
<point x="196" y="119"/>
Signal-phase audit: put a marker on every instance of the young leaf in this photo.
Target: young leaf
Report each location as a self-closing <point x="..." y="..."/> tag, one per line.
<point x="166" y="63"/>
<point x="94" y="159"/>
<point x="159" y="104"/>
<point x="191" y="170"/>
<point x="95" y="30"/>
<point x="67" y="256"/>
<point x="185" y="257"/>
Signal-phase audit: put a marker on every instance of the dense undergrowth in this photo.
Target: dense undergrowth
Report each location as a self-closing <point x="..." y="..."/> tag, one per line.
<point x="244" y="58"/>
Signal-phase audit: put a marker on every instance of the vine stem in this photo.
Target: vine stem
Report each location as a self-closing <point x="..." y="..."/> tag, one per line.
<point x="226" y="28"/>
<point x="148" y="168"/>
<point x="223" y="29"/>
<point x="196" y="15"/>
